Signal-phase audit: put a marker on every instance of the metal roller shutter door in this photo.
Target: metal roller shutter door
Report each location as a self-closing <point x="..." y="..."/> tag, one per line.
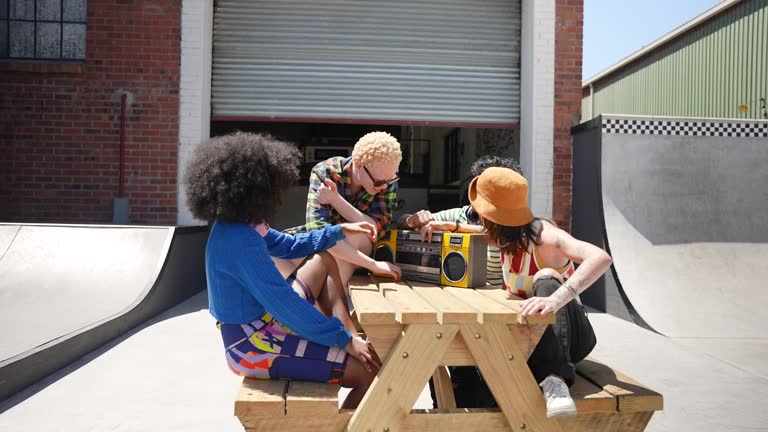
<point x="434" y="61"/>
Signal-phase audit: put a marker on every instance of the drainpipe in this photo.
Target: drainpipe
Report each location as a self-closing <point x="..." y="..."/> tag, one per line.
<point x="121" y="188"/>
<point x="120" y="207"/>
<point x="591" y="101"/>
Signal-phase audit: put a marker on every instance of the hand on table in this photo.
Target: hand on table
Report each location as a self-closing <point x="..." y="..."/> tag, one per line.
<point x="542" y="305"/>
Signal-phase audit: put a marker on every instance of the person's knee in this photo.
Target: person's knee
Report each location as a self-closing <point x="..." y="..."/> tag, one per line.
<point x="546" y="283"/>
<point x="548" y="272"/>
<point x="286" y="266"/>
<point x="360" y="243"/>
<point x="313" y="274"/>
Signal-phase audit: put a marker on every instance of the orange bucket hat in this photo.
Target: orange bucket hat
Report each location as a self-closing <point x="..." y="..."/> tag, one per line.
<point x="501" y="196"/>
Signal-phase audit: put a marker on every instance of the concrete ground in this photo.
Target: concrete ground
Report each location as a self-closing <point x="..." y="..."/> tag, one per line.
<point x="170" y="375"/>
<point x="708" y="384"/>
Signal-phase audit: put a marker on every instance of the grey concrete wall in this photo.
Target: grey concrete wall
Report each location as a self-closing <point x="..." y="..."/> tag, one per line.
<point x="682" y="189"/>
<point x="681" y="204"/>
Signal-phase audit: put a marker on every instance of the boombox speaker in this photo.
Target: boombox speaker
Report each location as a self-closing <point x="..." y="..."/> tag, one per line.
<point x="451" y="259"/>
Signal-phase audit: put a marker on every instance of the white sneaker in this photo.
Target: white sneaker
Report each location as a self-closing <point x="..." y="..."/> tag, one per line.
<point x="559" y="401"/>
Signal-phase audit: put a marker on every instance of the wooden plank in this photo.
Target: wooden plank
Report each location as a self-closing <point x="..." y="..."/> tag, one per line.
<point x="476" y="419"/>
<point x="506" y="372"/>
<point x="458" y="354"/>
<point x="402" y="377"/>
<point x="327" y="423"/>
<point x="590" y="398"/>
<point x="634" y="422"/>
<point x="443" y="388"/>
<point x="501" y="296"/>
<point x="631" y="395"/>
<point x="311" y="399"/>
<point x="449" y="309"/>
<point x="591" y="422"/>
<point x="527" y="337"/>
<point x="383" y="337"/>
<point x="370" y="305"/>
<point x="260" y="398"/>
<point x="410" y="307"/>
<point x="473" y="419"/>
<point x="488" y="309"/>
<point x="456" y="420"/>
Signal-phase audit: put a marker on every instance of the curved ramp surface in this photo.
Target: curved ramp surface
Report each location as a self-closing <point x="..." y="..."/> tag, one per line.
<point x="67" y="289"/>
<point x="686" y="223"/>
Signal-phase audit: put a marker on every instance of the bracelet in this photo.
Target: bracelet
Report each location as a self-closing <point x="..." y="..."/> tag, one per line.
<point x="457" y="227"/>
<point x="570" y="288"/>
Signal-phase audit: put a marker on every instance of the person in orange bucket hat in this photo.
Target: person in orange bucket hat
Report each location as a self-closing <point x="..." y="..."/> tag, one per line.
<point x="537" y="261"/>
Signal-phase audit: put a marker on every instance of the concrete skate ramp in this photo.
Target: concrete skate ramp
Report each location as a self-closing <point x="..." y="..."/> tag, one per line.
<point x="67" y="289"/>
<point x="686" y="221"/>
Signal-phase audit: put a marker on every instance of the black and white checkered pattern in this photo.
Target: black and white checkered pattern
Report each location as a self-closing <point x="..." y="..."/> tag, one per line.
<point x="691" y="128"/>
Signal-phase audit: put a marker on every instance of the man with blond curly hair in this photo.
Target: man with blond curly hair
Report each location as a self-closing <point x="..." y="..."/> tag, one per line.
<point x="360" y="188"/>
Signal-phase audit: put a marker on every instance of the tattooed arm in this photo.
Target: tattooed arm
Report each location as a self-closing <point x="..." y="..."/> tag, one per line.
<point x="557" y="246"/>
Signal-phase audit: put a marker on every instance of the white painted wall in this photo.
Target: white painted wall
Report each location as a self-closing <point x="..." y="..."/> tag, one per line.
<point x="538" y="102"/>
<point x="194" y="90"/>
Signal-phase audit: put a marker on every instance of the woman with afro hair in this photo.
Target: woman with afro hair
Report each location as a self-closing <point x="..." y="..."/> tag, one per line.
<point x="270" y="329"/>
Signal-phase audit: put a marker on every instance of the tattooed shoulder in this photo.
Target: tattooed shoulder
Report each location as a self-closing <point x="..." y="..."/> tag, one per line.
<point x="558" y="241"/>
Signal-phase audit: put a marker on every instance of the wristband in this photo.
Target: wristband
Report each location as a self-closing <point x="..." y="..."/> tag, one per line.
<point x="456" y="228"/>
<point x="570" y="288"/>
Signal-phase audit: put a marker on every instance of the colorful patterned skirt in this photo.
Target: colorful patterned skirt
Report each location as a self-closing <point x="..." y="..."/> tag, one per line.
<point x="266" y="349"/>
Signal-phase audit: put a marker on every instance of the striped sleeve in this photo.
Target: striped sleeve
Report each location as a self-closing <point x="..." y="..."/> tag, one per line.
<point x="457" y="214"/>
<point x="494" y="274"/>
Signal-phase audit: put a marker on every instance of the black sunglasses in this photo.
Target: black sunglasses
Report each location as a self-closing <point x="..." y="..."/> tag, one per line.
<point x="380" y="183"/>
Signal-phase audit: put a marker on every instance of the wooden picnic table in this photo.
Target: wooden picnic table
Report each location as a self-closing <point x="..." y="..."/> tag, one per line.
<point x="418" y="329"/>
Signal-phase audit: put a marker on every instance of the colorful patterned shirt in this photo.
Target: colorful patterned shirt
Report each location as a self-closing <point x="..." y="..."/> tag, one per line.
<point x="520" y="268"/>
<point x="493" y="274"/>
<point x="339" y="169"/>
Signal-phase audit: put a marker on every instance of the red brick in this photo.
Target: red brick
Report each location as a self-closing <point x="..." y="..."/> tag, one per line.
<point x="569" y="30"/>
<point x="59" y="124"/>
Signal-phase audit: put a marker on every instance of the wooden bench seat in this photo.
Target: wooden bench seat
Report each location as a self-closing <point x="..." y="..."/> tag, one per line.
<point x="279" y="404"/>
<point x="606" y="399"/>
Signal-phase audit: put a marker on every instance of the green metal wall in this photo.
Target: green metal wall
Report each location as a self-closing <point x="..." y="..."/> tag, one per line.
<point x="710" y="71"/>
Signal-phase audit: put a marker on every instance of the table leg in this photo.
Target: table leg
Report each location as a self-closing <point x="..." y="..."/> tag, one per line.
<point x="402" y="377"/>
<point x="506" y="372"/>
<point x="443" y="388"/>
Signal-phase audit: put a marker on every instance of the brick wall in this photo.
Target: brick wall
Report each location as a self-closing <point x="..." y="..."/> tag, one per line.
<point x="569" y="32"/>
<point x="60" y="123"/>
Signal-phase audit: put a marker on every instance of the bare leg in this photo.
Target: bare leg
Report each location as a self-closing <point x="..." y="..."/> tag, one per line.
<point x="331" y="300"/>
<point x="358" y="379"/>
<point x="286" y="267"/>
<point x="346" y="268"/>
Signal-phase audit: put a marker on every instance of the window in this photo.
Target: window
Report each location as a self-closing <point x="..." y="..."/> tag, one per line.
<point x="42" y="29"/>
